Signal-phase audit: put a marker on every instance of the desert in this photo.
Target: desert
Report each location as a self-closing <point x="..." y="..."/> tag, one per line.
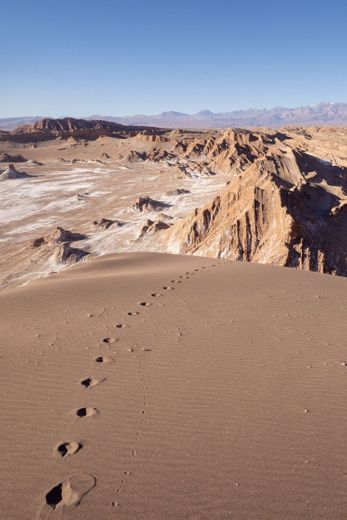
<point x="269" y="196"/>
<point x="126" y="394"/>
<point x="126" y="391"/>
<point x="173" y="260"/>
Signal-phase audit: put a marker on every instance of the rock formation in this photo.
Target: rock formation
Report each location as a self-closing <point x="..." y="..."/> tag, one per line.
<point x="151" y="227"/>
<point x="286" y="208"/>
<point x="176" y="192"/>
<point x="56" y="246"/>
<point x="106" y="223"/>
<point x="73" y="129"/>
<point x="135" y="156"/>
<point x="148" y="204"/>
<point x="6" y="157"/>
<point x="283" y="198"/>
<point x="12" y="173"/>
<point x="64" y="253"/>
<point x="58" y="236"/>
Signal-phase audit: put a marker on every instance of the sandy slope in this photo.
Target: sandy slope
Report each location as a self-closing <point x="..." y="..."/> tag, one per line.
<point x="223" y="398"/>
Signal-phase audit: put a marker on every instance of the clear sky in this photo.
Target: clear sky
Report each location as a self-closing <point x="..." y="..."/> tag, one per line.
<point x="118" y="57"/>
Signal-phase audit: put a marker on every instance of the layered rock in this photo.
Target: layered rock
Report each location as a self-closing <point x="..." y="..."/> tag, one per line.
<point x="58" y="236"/>
<point x="72" y="128"/>
<point x="151" y="227"/>
<point x="64" y="254"/>
<point x="56" y="246"/>
<point x="274" y="213"/>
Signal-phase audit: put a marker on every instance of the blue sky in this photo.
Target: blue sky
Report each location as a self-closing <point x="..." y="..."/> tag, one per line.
<point x="118" y="57"/>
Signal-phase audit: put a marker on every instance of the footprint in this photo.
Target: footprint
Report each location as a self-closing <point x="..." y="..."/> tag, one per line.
<point x="103" y="359"/>
<point x="88" y="411"/>
<point x="145" y="304"/>
<point x="67" y="494"/>
<point x="108" y="340"/>
<point x="90" y="382"/>
<point x="168" y="288"/>
<point x="68" y="448"/>
<point x="196" y="270"/>
<point x="155" y="295"/>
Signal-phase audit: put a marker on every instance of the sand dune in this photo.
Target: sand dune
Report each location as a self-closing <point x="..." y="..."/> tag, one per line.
<point x="150" y="386"/>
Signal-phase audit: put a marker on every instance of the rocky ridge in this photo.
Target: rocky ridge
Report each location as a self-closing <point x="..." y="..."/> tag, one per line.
<point x="72" y="128"/>
<point x="282" y="206"/>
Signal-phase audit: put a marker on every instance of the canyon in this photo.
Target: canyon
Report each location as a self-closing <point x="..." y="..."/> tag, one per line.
<point x="266" y="196"/>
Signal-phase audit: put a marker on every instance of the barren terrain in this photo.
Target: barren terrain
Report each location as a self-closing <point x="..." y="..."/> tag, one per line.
<point x="263" y="196"/>
<point x="143" y="385"/>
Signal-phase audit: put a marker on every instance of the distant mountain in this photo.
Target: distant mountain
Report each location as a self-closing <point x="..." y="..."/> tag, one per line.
<point x="333" y="114"/>
<point x="323" y="114"/>
<point x="9" y="123"/>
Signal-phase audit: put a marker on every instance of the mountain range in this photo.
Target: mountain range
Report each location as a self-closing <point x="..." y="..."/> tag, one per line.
<point x="333" y="114"/>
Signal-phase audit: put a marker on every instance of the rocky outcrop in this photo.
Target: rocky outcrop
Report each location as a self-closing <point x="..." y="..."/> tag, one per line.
<point x="152" y="227"/>
<point x="135" y="156"/>
<point x="177" y="192"/>
<point x="103" y="223"/>
<point x="154" y="155"/>
<point x="148" y="204"/>
<point x="56" y="246"/>
<point x="65" y="254"/>
<point x="193" y="169"/>
<point x="68" y="125"/>
<point x="274" y="213"/>
<point x="149" y="137"/>
<point x="106" y="223"/>
<point x="72" y="128"/>
<point x="6" y="157"/>
<point x="203" y="154"/>
<point x="12" y="173"/>
<point x="58" y="236"/>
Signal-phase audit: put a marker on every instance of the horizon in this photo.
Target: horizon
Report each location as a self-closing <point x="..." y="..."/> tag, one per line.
<point x="139" y="114"/>
<point x="136" y="58"/>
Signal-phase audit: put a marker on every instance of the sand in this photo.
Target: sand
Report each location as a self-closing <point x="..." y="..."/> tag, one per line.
<point x="152" y="386"/>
